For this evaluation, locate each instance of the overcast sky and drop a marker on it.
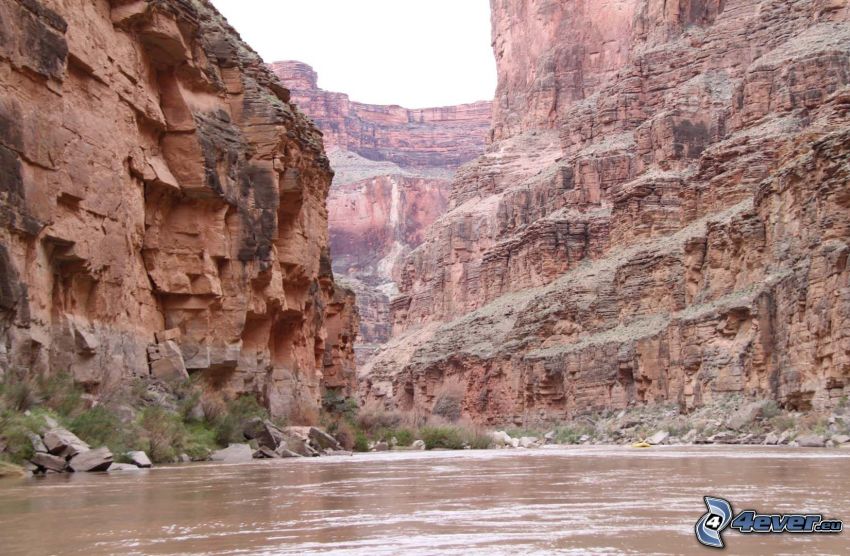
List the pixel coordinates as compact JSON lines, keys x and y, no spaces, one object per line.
{"x":416,"y":53}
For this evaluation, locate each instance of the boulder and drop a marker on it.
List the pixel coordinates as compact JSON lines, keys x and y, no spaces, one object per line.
{"x":298,"y":445}
{"x":840,"y":439}
{"x":514,"y":443}
{"x":811,"y":441}
{"x":690,"y":437}
{"x":724,"y":437}
{"x":658,"y":438}
{"x":91,"y":460}
{"x":321,"y":440}
{"x":549,"y":437}
{"x":500,"y":438}
{"x":381,"y":446}
{"x":44,"y":461}
{"x":172,"y":334}
{"x":284,"y":452}
{"x":37,"y":442}
{"x":234,"y":453}
{"x":63,"y":443}
{"x":139,"y":459}
{"x":418,"y":445}
{"x":744,"y":416}
{"x":166,"y":362}
{"x":771,"y":439}
{"x":528,"y":442}
{"x":264,"y":452}
{"x":264,"y":432}
{"x":122,"y":467}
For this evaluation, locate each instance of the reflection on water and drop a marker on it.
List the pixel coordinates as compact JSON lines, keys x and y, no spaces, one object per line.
{"x":550,"y":501}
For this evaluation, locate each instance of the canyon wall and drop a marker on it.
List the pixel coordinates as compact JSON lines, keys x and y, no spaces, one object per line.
{"x":662,"y":215}
{"x":393,"y":169}
{"x":163,"y":207}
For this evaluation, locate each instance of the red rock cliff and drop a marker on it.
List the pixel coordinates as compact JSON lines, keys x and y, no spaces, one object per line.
{"x":163,"y":206}
{"x":662,"y":215}
{"x":393,"y":169}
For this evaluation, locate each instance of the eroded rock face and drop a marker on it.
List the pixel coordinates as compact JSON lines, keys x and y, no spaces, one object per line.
{"x":663,"y":215}
{"x":393,"y":172}
{"x":157,"y":178}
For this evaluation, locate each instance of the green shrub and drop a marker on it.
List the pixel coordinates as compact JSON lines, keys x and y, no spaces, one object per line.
{"x":199,"y":441}
{"x":403,"y":436}
{"x":101,"y":427}
{"x":442,"y":437}
{"x":15,"y":429}
{"x":60,"y":393}
{"x":19,"y":395}
{"x":230,"y":424}
{"x":569,"y":434}
{"x":163,"y":433}
{"x":361,"y":443}
{"x":770,"y":409}
{"x":334,"y":404}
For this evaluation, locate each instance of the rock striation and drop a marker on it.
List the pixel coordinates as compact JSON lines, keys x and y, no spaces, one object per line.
{"x":662,"y":215}
{"x":393,"y":170}
{"x":162,"y":207}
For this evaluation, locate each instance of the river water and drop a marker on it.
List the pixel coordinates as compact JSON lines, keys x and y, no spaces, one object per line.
{"x":566,"y":500}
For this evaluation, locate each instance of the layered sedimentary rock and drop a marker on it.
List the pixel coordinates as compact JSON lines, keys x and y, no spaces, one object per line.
{"x":163,"y":207}
{"x":662,"y":215}
{"x":443,"y":137}
{"x":393,"y":172}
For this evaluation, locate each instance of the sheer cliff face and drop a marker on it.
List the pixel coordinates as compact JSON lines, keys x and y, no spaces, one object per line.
{"x":163,"y":207}
{"x":662,"y":215}
{"x":393,"y":173}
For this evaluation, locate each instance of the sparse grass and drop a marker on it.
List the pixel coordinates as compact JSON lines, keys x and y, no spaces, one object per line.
{"x":403,"y":436}
{"x":571,"y":433}
{"x":519,"y":432}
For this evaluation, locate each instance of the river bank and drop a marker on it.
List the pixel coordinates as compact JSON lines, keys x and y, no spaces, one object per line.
{"x":54,"y":427}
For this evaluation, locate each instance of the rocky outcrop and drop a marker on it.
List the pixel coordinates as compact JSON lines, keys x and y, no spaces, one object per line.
{"x":393,"y":169}
{"x":662,"y":215}
{"x":163,"y":207}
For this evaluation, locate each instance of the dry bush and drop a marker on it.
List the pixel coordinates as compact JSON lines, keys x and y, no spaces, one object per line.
{"x":448,"y":401}
{"x":373,"y":418}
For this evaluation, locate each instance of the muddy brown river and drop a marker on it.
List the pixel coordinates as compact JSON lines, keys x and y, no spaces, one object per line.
{"x":597,"y":500}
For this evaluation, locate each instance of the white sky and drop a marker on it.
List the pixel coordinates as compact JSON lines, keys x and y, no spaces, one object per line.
{"x":416,"y":53}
